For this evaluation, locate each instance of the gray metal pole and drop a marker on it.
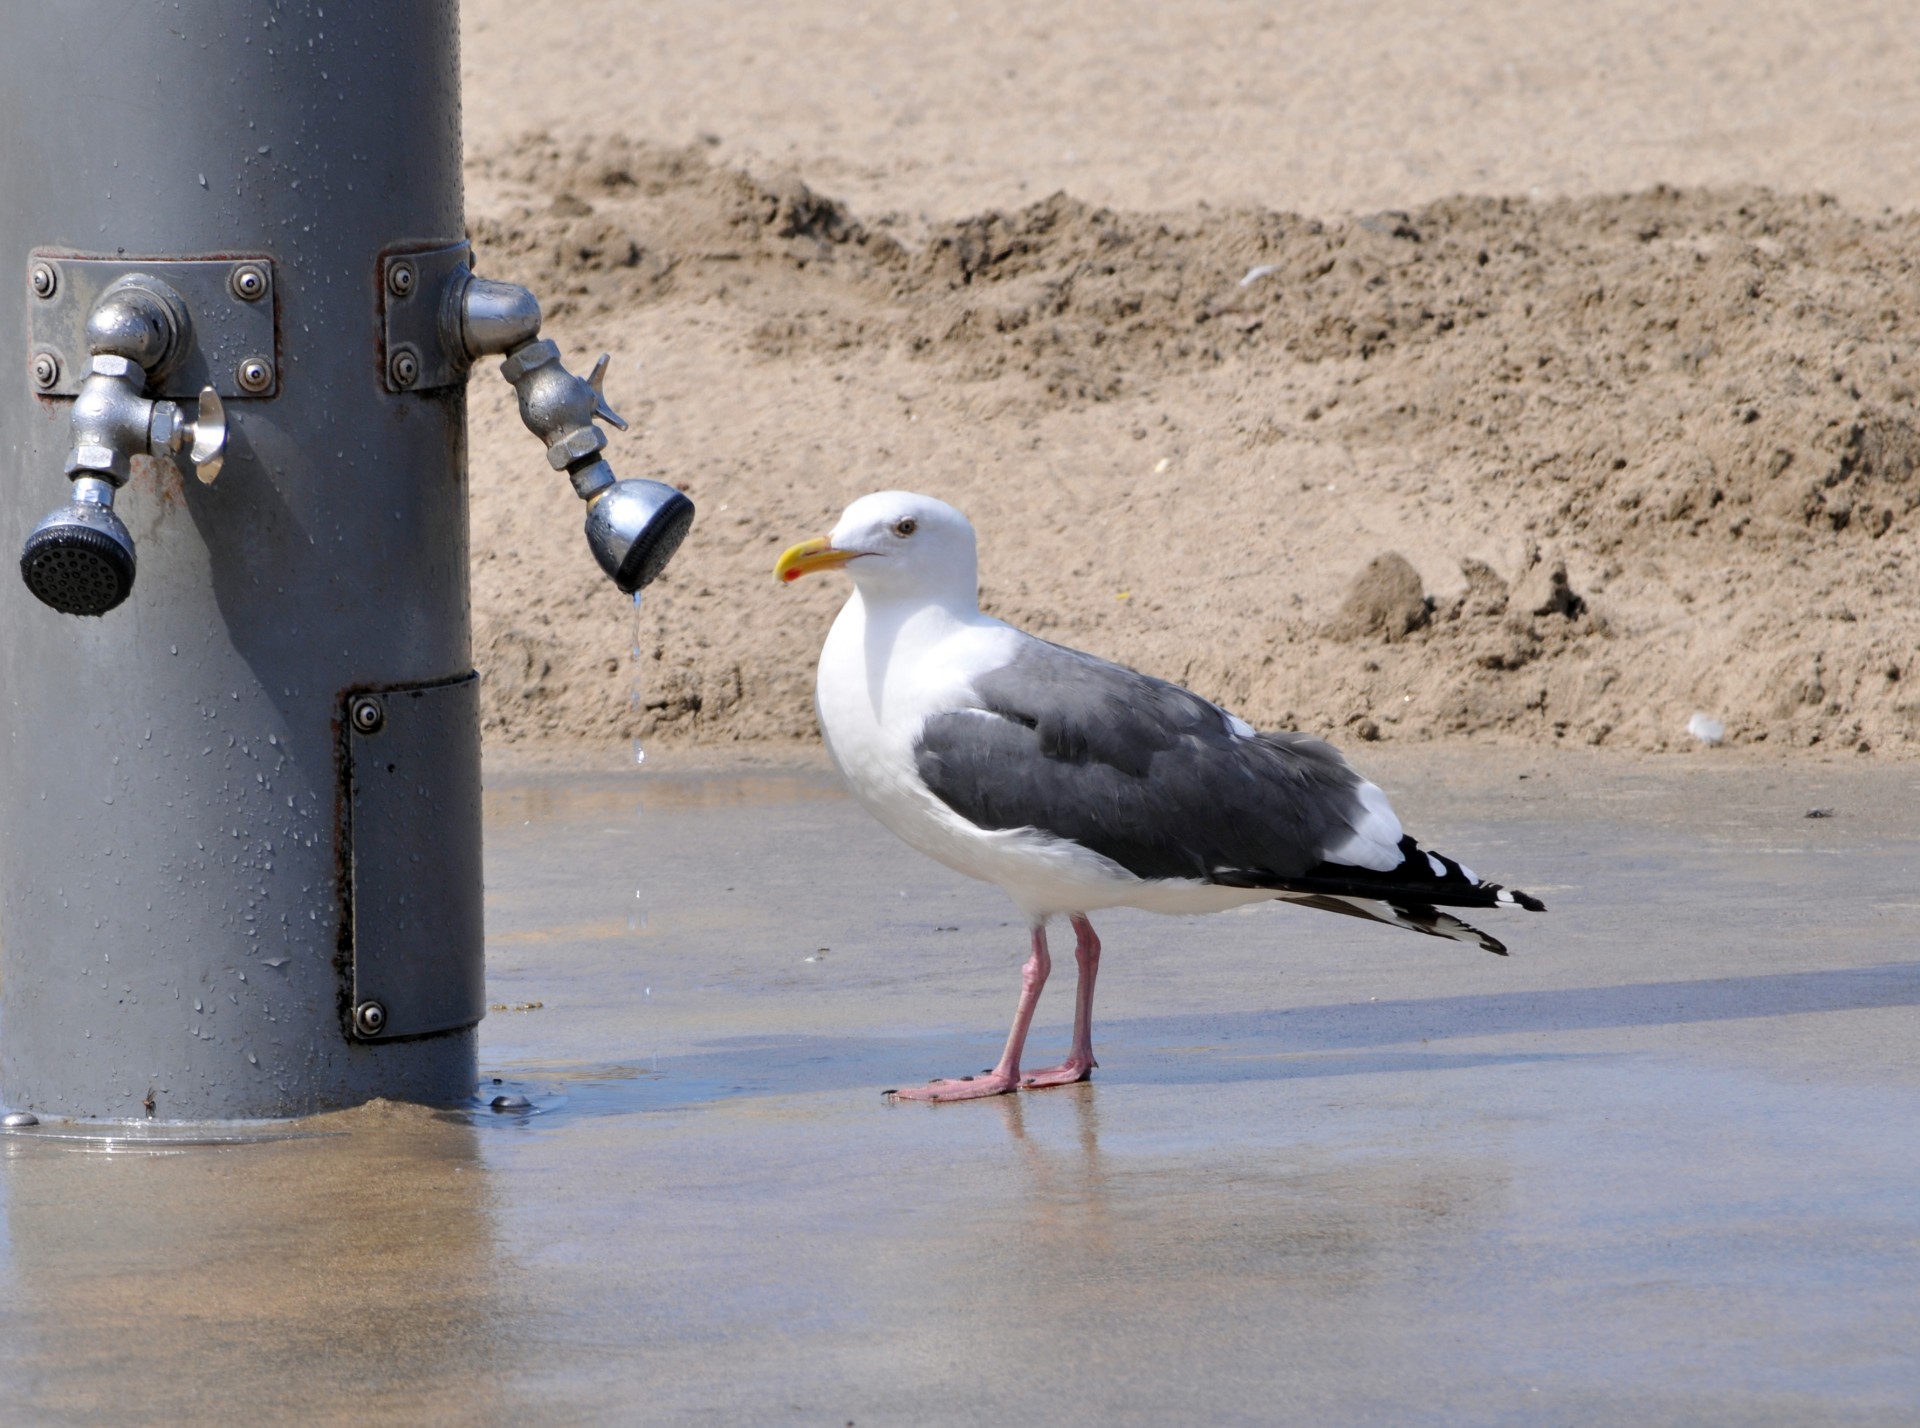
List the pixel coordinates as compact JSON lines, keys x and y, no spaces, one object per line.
{"x":241,"y":809}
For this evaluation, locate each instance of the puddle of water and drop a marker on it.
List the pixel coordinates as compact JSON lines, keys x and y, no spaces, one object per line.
{"x":121,"y":1138}
{"x":523,"y":1094}
{"x":1643,"y":1168}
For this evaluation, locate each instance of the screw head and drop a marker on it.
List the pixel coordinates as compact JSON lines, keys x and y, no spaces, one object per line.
{"x":248,"y":282}
{"x":400,"y":278}
{"x":405,"y":367}
{"x":20,"y":1118}
{"x":369,"y":1018}
{"x":46,"y":370}
{"x":367,"y":715}
{"x":255,"y":374}
{"x":46,"y":282}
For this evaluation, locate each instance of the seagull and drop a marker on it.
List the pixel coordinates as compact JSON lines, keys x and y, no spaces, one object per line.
{"x":1075,"y":784}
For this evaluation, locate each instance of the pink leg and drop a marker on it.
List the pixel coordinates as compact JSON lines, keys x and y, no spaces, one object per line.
{"x":1079,"y":1063}
{"x":1006,"y":1076}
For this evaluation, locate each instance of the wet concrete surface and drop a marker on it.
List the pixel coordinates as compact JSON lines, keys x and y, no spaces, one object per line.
{"x":1660,"y":1165}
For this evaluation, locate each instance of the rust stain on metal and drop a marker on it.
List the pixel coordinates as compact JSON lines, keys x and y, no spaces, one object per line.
{"x":343,"y":859}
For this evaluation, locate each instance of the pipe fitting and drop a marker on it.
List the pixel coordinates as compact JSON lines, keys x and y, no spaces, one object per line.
{"x":591,"y":479}
{"x":141,"y":319}
{"x":570,"y":448}
{"x":496,"y":318}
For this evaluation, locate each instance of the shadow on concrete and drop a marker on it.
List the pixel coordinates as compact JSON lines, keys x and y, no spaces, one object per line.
{"x":1277,"y":1045}
{"x":1640,"y":1004}
{"x":765,"y":1067}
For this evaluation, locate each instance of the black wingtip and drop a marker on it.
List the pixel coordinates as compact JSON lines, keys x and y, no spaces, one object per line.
{"x":1527,"y":900}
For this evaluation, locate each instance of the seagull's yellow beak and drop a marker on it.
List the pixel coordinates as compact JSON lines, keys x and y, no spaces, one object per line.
{"x":808,"y":556}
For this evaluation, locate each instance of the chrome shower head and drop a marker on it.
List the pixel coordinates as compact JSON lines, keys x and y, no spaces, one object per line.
{"x":634,"y":527}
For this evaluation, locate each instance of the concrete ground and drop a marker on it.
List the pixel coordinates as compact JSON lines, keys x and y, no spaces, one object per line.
{"x":1659,"y":1166}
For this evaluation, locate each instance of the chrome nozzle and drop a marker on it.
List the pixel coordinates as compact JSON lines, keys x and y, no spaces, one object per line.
{"x":633,"y":529}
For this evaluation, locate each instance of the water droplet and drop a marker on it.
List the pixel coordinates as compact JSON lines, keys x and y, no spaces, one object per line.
{"x":639,"y":756}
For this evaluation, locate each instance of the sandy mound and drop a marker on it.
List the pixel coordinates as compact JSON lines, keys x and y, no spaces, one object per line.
{"x":1560,"y":470}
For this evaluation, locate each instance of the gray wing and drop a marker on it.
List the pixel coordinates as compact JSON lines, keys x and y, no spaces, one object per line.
{"x":1154,"y":778}
{"x":1137,"y":769}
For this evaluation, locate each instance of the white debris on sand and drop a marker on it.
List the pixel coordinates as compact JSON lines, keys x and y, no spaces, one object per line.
{"x":1707,"y":729}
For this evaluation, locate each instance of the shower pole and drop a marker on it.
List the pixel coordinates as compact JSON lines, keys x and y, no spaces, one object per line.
{"x":239,"y":783}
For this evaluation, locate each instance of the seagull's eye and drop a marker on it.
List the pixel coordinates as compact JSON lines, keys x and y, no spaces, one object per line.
{"x":906,"y":527}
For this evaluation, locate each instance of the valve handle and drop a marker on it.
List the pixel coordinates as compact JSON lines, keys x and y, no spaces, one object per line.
{"x":600,"y":407}
{"x":209,"y":436}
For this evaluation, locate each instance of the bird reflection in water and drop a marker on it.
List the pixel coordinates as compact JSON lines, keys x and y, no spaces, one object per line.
{"x":1067,"y":1183}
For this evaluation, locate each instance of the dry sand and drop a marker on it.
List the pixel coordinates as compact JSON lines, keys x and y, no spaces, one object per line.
{"x":1397,"y":372}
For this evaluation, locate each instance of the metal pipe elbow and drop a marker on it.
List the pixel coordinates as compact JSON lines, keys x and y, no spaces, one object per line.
{"x":495,"y":318}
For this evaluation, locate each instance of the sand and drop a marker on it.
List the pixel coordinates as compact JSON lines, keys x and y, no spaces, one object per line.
{"x":1405,"y":373}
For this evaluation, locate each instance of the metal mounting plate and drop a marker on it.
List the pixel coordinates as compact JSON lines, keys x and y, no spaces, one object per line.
{"x":414,"y":805}
{"x":418,"y":321}
{"x":227,"y":329}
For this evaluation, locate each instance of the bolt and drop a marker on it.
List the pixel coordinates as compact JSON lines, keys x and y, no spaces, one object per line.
{"x":369,"y":1018}
{"x":367,"y":714}
{"x":45,"y":280}
{"x":400,"y":278}
{"x":248,"y":282}
{"x":46,"y":370}
{"x":405,"y":367}
{"x":255,"y":374}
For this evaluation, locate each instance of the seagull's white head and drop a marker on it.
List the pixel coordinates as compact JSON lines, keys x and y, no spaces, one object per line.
{"x":896,"y":546}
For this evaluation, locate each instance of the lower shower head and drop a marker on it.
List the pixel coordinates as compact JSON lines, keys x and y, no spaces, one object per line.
{"x":79,"y":560}
{"x":634,"y":527}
